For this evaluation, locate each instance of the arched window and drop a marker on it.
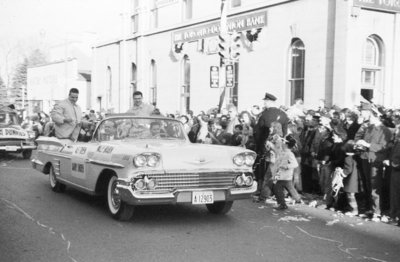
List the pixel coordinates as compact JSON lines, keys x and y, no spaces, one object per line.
{"x":109,"y":85}
{"x":185,"y":91}
{"x":153,"y":82}
{"x":372,"y":67}
{"x":296,"y":72}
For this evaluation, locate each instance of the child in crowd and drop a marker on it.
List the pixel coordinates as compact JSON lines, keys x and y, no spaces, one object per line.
{"x":283,"y":173}
{"x":350,"y":177}
{"x":273,"y":147}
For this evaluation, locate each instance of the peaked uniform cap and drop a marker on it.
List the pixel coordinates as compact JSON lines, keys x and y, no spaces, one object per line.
{"x":268,"y":96}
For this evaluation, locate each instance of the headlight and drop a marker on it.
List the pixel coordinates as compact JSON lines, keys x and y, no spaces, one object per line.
{"x":248,"y":181}
{"x":239,"y":181}
{"x":245,"y":158}
{"x":238,"y":160}
{"x":144,"y":183}
{"x":147,"y":159}
{"x":140,"y":160}
{"x":249,"y":160}
{"x":244,"y":180}
{"x":152,"y":160}
{"x":140,"y":184}
{"x":151,"y":184}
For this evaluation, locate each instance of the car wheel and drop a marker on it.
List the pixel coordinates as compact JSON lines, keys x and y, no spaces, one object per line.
{"x":222,"y":207}
{"x":26,"y":154}
{"x":54,"y":184}
{"x":118,"y":208}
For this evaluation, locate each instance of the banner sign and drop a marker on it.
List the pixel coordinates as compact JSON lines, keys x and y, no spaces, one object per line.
{"x":386,"y":5}
{"x":214,"y":76}
{"x":237,"y":23}
{"x":13,"y":133}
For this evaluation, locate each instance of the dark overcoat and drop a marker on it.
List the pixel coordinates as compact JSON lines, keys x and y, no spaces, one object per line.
{"x":350,"y":170}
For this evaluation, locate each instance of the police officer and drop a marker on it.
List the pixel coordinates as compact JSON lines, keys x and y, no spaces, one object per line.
{"x":261,"y":132}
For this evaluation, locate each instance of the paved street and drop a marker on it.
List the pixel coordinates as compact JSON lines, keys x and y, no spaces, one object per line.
{"x":37,"y":224}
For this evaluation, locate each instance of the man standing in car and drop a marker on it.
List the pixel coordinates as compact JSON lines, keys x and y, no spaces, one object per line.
{"x":67,"y":117}
{"x":139,"y":108}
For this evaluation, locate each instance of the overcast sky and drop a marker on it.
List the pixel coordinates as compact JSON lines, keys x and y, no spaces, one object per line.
{"x":45,"y":18}
{"x":29,"y":24}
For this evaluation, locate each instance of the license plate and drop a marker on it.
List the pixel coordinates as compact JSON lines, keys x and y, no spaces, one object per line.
{"x":11,"y":148}
{"x":202,"y":197}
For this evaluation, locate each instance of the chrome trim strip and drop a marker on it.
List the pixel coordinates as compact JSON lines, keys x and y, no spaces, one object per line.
{"x":104,"y":163}
{"x":154,"y":194}
{"x":73,"y":184}
{"x":36,"y":161}
{"x":18,"y":147}
{"x":244,"y":190}
{"x":55,"y":154}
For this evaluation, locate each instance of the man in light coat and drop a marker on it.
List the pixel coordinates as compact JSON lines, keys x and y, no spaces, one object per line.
{"x":139,"y":108}
{"x":67,"y":117}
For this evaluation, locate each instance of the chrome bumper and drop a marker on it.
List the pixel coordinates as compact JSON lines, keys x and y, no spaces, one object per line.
{"x":37,"y":164}
{"x":16,"y":148}
{"x":181,"y":195}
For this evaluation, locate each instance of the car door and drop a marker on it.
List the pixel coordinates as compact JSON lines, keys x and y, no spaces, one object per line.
{"x":63,"y":162}
{"x":78,"y":174}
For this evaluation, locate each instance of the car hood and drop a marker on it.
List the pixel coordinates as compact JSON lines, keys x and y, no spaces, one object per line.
{"x":177,"y":155}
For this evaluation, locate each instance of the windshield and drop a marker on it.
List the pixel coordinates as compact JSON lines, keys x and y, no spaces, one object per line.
{"x":7,"y":118}
{"x":139,"y":128}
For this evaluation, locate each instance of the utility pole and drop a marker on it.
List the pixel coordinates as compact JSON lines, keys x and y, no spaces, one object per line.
{"x":224,"y":52}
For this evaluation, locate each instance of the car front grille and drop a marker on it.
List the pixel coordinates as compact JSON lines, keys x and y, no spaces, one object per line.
{"x":171,"y":181}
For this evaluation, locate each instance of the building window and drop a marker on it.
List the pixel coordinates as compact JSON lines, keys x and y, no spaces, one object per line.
{"x":236,"y":3}
{"x":185,"y":91}
{"x":153,"y":82}
{"x":134,"y":23}
{"x":371,"y":72}
{"x":135,"y":16}
{"x":109,"y":85}
{"x":296,"y":73}
{"x":154,"y":15}
{"x":187,"y":9}
{"x":133,"y":86}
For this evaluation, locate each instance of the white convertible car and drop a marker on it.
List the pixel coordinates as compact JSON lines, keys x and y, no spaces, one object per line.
{"x":146,"y":161}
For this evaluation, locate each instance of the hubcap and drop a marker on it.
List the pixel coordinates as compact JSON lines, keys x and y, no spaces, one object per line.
{"x":52,"y":178}
{"x":115,"y":198}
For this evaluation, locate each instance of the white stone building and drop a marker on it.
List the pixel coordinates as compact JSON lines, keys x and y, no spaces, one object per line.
{"x":51,"y":82}
{"x":334,"y":50}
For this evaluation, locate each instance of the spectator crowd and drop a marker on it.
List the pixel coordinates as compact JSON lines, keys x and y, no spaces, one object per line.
{"x":349,"y":157}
